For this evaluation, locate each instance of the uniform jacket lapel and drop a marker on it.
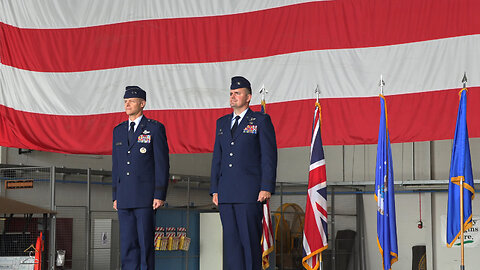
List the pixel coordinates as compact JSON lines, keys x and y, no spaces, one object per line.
{"x":138,"y":131}
{"x":123,"y":134}
{"x":226,"y":127}
{"x":243,"y":124}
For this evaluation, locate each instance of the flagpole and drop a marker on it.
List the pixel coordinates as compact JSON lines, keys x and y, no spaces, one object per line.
{"x":315,"y":233}
{"x":462,"y":265}
{"x":382,"y":84}
{"x":462,"y":248}
{"x":320,"y":260}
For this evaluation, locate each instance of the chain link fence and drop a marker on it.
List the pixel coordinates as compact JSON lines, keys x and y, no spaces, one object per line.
{"x":84,"y":232}
{"x":26,"y":217}
{"x":69,"y":235}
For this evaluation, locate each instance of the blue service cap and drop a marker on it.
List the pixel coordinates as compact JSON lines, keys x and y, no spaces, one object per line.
{"x":135,"y":92}
{"x":240,"y":82}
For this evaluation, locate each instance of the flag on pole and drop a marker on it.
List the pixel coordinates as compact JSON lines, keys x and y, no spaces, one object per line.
{"x":385,"y":194}
{"x":263,"y":103}
{"x":267,"y":236}
{"x":460,"y":169}
{"x":315,"y":232}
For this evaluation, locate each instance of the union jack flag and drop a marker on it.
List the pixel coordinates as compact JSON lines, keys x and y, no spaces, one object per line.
{"x":315,"y":232}
{"x":267,"y":236}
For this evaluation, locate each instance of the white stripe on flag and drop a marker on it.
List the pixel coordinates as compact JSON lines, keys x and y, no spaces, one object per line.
{"x":67,"y":94}
{"x":317,"y":164}
{"x":316,"y":198}
{"x":315,"y":132}
{"x":69,"y":14}
{"x":306,"y":246}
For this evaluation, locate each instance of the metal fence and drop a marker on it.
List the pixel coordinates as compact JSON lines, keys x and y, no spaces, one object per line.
{"x":85,"y":227}
{"x":69,"y":242}
{"x":21,"y":232}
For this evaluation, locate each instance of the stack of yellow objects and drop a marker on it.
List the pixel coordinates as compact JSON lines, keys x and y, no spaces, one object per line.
{"x":172,"y":240}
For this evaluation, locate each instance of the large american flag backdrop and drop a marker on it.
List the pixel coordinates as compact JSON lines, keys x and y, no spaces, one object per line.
{"x":65,"y":64}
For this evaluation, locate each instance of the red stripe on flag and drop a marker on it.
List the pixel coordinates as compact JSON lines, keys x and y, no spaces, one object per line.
{"x":319,"y":174}
{"x":322,"y":210}
{"x":267,"y":236}
{"x":344,"y":121}
{"x":303,"y":27}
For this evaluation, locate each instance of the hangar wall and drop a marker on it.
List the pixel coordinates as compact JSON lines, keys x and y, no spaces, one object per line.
{"x":412,"y":161}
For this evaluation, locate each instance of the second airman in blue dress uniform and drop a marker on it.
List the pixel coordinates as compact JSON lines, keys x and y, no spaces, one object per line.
{"x":243,"y":176}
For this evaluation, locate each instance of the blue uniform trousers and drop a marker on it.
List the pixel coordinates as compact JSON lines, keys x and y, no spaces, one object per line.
{"x":242,"y":234}
{"x":137,"y":229}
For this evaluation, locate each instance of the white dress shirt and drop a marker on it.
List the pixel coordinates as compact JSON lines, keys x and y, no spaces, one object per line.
{"x":239,"y":120}
{"x":137,"y":122}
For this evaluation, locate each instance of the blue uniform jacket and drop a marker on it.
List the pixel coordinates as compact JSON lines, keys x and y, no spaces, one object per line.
{"x":246,"y":163}
{"x":140,"y":171}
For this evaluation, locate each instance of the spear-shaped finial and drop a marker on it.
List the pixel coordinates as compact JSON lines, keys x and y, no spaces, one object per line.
{"x":381,"y":84}
{"x":317,"y":91}
{"x":263,"y":91}
{"x":464,"y":80}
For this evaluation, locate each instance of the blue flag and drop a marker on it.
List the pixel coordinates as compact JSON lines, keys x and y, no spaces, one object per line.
{"x":385,"y":194}
{"x":460,"y":169}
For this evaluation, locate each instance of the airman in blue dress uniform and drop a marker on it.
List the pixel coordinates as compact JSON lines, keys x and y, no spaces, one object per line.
{"x":243,"y":176}
{"x":140,"y":173}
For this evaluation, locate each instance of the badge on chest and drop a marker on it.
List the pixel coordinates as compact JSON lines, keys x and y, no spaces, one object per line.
{"x":144,"y":139}
{"x":250,"y":129}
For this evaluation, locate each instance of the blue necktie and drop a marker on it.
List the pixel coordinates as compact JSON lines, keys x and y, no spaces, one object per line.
{"x":235,"y":125}
{"x":131,"y":131}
